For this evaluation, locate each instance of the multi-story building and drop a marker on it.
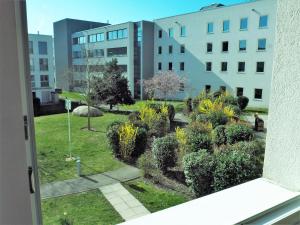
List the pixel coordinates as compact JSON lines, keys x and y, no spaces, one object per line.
{"x":42,"y":67}
{"x":218,"y":47}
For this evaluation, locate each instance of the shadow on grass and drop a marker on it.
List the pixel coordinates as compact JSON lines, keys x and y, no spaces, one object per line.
{"x":137,"y":188}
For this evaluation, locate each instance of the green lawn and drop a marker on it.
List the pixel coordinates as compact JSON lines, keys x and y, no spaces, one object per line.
{"x":92,"y":147}
{"x":74,"y":96}
{"x":251,"y":110}
{"x":179,"y":105}
{"x":88,"y":208}
{"x":154,"y":198}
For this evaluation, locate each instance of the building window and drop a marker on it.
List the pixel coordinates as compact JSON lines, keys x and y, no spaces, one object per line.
{"x":170,"y":66}
{"x":258,"y":93}
{"x":170,"y":49}
{"x":44,"y":80}
{"x":30,"y":47}
{"x":32,"y":81}
{"x":117,"y":34}
{"x":241,"y":67}
{"x":207,"y":88}
{"x":81,"y":40}
{"x":224,"y":66}
{"x":90,"y":53}
{"x":260,"y":67}
{"x":43,"y":48}
{"x":182,"y":48}
{"x":182,"y":31}
{"x":99,"y":53}
{"x":263,"y":21}
{"x":159,"y":67}
{"x":208,"y":66}
{"x":262,"y":44}
{"x":159,"y":50}
{"x":31,"y":61}
{"x":182,"y":66}
{"x":225,"y":46}
{"x":100,"y":37}
{"x":43,"y":64}
{"x":76,"y":54}
{"x":181,"y":87}
{"x":122,"y":51}
{"x":159,"y":33}
{"x":75,"y":41}
{"x":171,"y":32}
{"x":239,"y":91}
{"x":209,"y":47}
{"x":226,"y":25}
{"x":244,"y":24}
{"x":210,"y":28}
{"x":222,"y":88}
{"x":243,"y":45}
{"x":92,"y":38}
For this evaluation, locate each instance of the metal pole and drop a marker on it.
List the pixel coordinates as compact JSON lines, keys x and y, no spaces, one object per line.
{"x":69,"y":125}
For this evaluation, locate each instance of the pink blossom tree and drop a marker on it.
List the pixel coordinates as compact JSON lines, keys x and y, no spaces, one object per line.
{"x":164,"y":85}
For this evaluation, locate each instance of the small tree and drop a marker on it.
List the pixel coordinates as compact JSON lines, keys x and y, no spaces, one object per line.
{"x":112,"y":86}
{"x":164,"y":84}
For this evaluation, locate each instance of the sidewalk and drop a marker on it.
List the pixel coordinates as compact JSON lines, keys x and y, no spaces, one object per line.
{"x":81,"y":184}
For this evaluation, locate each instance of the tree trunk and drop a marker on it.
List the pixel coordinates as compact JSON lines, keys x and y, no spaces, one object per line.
{"x":110,"y":106}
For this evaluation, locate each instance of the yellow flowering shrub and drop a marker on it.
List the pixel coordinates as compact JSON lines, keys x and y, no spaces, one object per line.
{"x":127,"y":136}
{"x":181,"y":137}
{"x":148,"y":115}
{"x":229,"y":112}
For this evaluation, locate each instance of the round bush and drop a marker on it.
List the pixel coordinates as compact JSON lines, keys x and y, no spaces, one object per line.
{"x":164,"y":152}
{"x":113,"y":137}
{"x":237,"y":110}
{"x":198,"y":170}
{"x":146,"y":164}
{"x":134,"y":116}
{"x":219,"y":136}
{"x":217,"y":118}
{"x":160,"y":127}
{"x":233,"y":168}
{"x":242,"y":102}
{"x":202,"y":118}
{"x":171,"y":112}
{"x":197,"y":141}
{"x":238,"y":132}
{"x":140,"y":143}
{"x":230,"y":100}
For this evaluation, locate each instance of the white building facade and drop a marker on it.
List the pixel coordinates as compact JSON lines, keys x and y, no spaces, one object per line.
{"x":220,"y":47}
{"x":42,"y":67}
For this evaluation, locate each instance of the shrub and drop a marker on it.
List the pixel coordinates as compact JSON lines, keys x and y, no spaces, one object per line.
{"x":238,"y":132}
{"x":171,"y":112}
{"x":127,"y":137}
{"x":140,"y":143}
{"x":237,"y":110}
{"x":146,"y":164}
{"x":219,"y":136}
{"x":233,"y":168}
{"x":199,"y":127}
{"x":113,"y":137}
{"x":181,"y":137}
{"x":160,"y":127}
{"x":164,"y":152}
{"x":242,"y":102}
{"x":202,"y":118}
{"x":197,"y":141}
{"x":198,"y":170}
{"x":188,"y":104}
{"x":134,"y":116}
{"x":230,"y":100}
{"x":155,"y":106}
{"x":217,"y":118}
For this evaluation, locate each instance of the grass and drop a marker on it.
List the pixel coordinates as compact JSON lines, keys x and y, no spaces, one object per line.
{"x":74,"y":96}
{"x":88,"y":208}
{"x":92,"y":147}
{"x":251,"y":110}
{"x":154,"y":198}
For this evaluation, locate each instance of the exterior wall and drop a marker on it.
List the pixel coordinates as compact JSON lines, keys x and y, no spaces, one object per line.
{"x":195,"y":56}
{"x":63,"y":30}
{"x":122,"y":60}
{"x":43,"y":93}
{"x":282,"y":158}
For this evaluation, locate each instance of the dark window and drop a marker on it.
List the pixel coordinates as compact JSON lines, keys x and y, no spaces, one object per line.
{"x":99,"y":52}
{"x":243,"y":45}
{"x":182,"y":31}
{"x":160,"y":34}
{"x":43,"y":64}
{"x":207,"y":88}
{"x":30,"y":47}
{"x":76,"y":54}
{"x":123,"y":68}
{"x":181,"y":88}
{"x":170,"y":49}
{"x":159,"y":50}
{"x":225,"y":46}
{"x":244,"y":24}
{"x":170,"y":66}
{"x":208,"y":66}
{"x":241,"y":66}
{"x":90,"y":53}
{"x":209,"y":47}
{"x":182,"y":48}
{"x":258,"y":93}
{"x":44,"y":80}
{"x":260,"y":67}
{"x":75,"y":41}
{"x":263,"y":21}
{"x":239,"y":91}
{"x":262,"y":44}
{"x":182,"y":66}
{"x":122,"y":51}
{"x":223,"y":66}
{"x":222,"y":88}
{"x":159,"y":66}
{"x":43,"y":48}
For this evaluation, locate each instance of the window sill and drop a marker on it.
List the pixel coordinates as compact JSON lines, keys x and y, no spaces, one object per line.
{"x":241,"y":72}
{"x":209,"y":52}
{"x":225,"y":31}
{"x":223,"y":71}
{"x":242,"y":51}
{"x":263,"y":28}
{"x":224,"y":51}
{"x":246,"y":29}
{"x":261,"y":50}
{"x":259,"y":73}
{"x":258,"y":99}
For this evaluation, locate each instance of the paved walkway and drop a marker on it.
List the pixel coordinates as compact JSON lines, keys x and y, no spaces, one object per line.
{"x":83,"y":184}
{"x":123,"y":202}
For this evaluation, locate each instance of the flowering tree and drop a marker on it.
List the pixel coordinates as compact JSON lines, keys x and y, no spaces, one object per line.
{"x":164,"y":85}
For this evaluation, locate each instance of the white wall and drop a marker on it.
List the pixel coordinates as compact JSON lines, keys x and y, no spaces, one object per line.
{"x":282,"y":159}
{"x":196,"y":56}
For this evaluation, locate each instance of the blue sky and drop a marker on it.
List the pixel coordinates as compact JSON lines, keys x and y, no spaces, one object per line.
{"x":42,"y":13}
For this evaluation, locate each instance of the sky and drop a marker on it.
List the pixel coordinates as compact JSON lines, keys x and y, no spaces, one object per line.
{"x":42,"y":13}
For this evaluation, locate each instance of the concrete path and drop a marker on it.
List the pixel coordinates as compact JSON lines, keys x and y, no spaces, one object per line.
{"x":123,"y":202}
{"x":82,"y":184}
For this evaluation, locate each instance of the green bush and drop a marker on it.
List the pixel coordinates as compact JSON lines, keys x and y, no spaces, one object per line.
{"x":171,"y":112}
{"x":140,"y":143}
{"x":155,"y":106}
{"x":113,"y":137}
{"x":219,"y":136}
{"x":217,"y":118}
{"x":146,"y":164}
{"x":236,"y":109}
{"x":160,"y":127}
{"x":188,"y":105}
{"x":238,"y":132}
{"x":164,"y":152}
{"x":204,"y":118}
{"x":230,"y":100}
{"x":134,"y":116}
{"x":198,"y":170}
{"x":197,"y":141}
{"x":242,"y":102}
{"x":233,"y":168}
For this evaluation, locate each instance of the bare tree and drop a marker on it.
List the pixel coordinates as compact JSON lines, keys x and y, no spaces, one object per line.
{"x":164,"y":85}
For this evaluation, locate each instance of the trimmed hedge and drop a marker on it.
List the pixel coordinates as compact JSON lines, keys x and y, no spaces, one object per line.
{"x":197,"y":141}
{"x":242,"y":102}
{"x":219,"y":136}
{"x":238,"y":132}
{"x":198,"y":170}
{"x":217,"y":118}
